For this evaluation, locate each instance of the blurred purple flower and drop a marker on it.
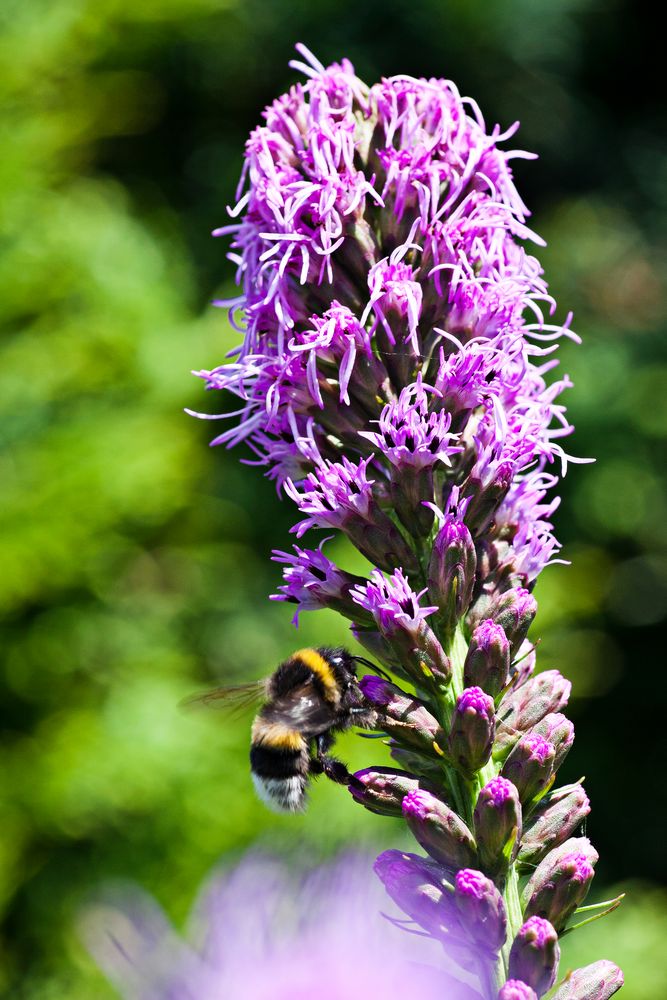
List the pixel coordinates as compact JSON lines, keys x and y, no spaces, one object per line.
{"x":260,"y":933}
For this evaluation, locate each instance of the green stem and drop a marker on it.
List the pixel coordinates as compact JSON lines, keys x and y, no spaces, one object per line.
{"x":513,"y":910}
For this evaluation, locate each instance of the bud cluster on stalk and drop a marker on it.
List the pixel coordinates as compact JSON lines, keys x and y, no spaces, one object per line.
{"x":393,"y":382}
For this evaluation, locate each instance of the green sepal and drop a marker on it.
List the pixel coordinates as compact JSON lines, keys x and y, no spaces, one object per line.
{"x":611,"y":904}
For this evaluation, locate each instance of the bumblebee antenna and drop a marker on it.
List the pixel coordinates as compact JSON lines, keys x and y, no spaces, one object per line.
{"x":372,"y":666}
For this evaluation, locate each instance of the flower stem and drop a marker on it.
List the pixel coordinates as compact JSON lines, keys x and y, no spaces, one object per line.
{"x":513,"y":910}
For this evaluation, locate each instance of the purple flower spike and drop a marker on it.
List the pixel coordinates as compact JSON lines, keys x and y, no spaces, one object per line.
{"x":396,"y":380}
{"x":497,"y":824}
{"x":488,"y":658}
{"x":561,"y":882}
{"x":439,"y":830}
{"x":481,"y":909}
{"x":472,"y":730}
{"x":598,"y":981}
{"x":514,"y":989}
{"x":530,"y":766}
{"x":535,"y":955}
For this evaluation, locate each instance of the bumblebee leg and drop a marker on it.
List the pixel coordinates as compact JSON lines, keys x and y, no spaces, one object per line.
{"x":335,"y":770}
{"x":331,"y":767}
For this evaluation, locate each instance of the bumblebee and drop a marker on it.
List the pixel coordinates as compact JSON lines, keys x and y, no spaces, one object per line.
{"x":310,"y":697}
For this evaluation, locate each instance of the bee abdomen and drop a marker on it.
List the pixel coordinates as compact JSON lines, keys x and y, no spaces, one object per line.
{"x":279,"y":763}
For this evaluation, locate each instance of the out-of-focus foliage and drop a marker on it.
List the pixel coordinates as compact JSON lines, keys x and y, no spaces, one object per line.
{"x":134,"y":562}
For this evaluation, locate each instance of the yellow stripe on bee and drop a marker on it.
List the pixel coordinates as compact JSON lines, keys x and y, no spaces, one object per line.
{"x":276,"y":735}
{"x":316,"y":662}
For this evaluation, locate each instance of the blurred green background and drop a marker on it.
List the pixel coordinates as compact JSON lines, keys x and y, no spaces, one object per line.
{"x":134,"y":562}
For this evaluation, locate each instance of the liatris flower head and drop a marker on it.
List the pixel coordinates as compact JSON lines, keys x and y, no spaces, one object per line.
{"x":559,"y":731}
{"x":382,"y":789}
{"x":561,"y":882}
{"x":482,"y":910}
{"x":535,"y":954}
{"x":553,"y":821}
{"x":514,"y":612}
{"x":312,"y":582}
{"x":487,"y":661}
{"x":451,"y":571}
{"x":497,"y":824}
{"x":525,"y":707}
{"x":530,"y":766}
{"x":472,"y":729}
{"x":439,"y":830}
{"x":401,"y":621}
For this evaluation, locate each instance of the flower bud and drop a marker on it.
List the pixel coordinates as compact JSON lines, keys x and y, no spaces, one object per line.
{"x":481,"y":909}
{"x":497,"y":824}
{"x":451,"y":571}
{"x":472,"y":730}
{"x":487,"y":661}
{"x":535,"y":954}
{"x":381,"y":790}
{"x":530,"y":766}
{"x":422,"y":658}
{"x":559,"y":731}
{"x":485,"y":499}
{"x":439,"y":830}
{"x":598,"y":981}
{"x":551,"y":823}
{"x":402,"y":715}
{"x":561,"y":882}
{"x":514,"y":989}
{"x":514,"y":611}
{"x":381,"y":542}
{"x":522,"y":708}
{"x":416,"y":885}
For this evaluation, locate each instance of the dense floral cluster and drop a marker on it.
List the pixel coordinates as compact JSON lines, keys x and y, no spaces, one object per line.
{"x":394,"y":379}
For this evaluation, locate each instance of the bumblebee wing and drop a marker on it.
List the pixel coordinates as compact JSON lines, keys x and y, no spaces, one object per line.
{"x":234,"y":698}
{"x":303,"y":709}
